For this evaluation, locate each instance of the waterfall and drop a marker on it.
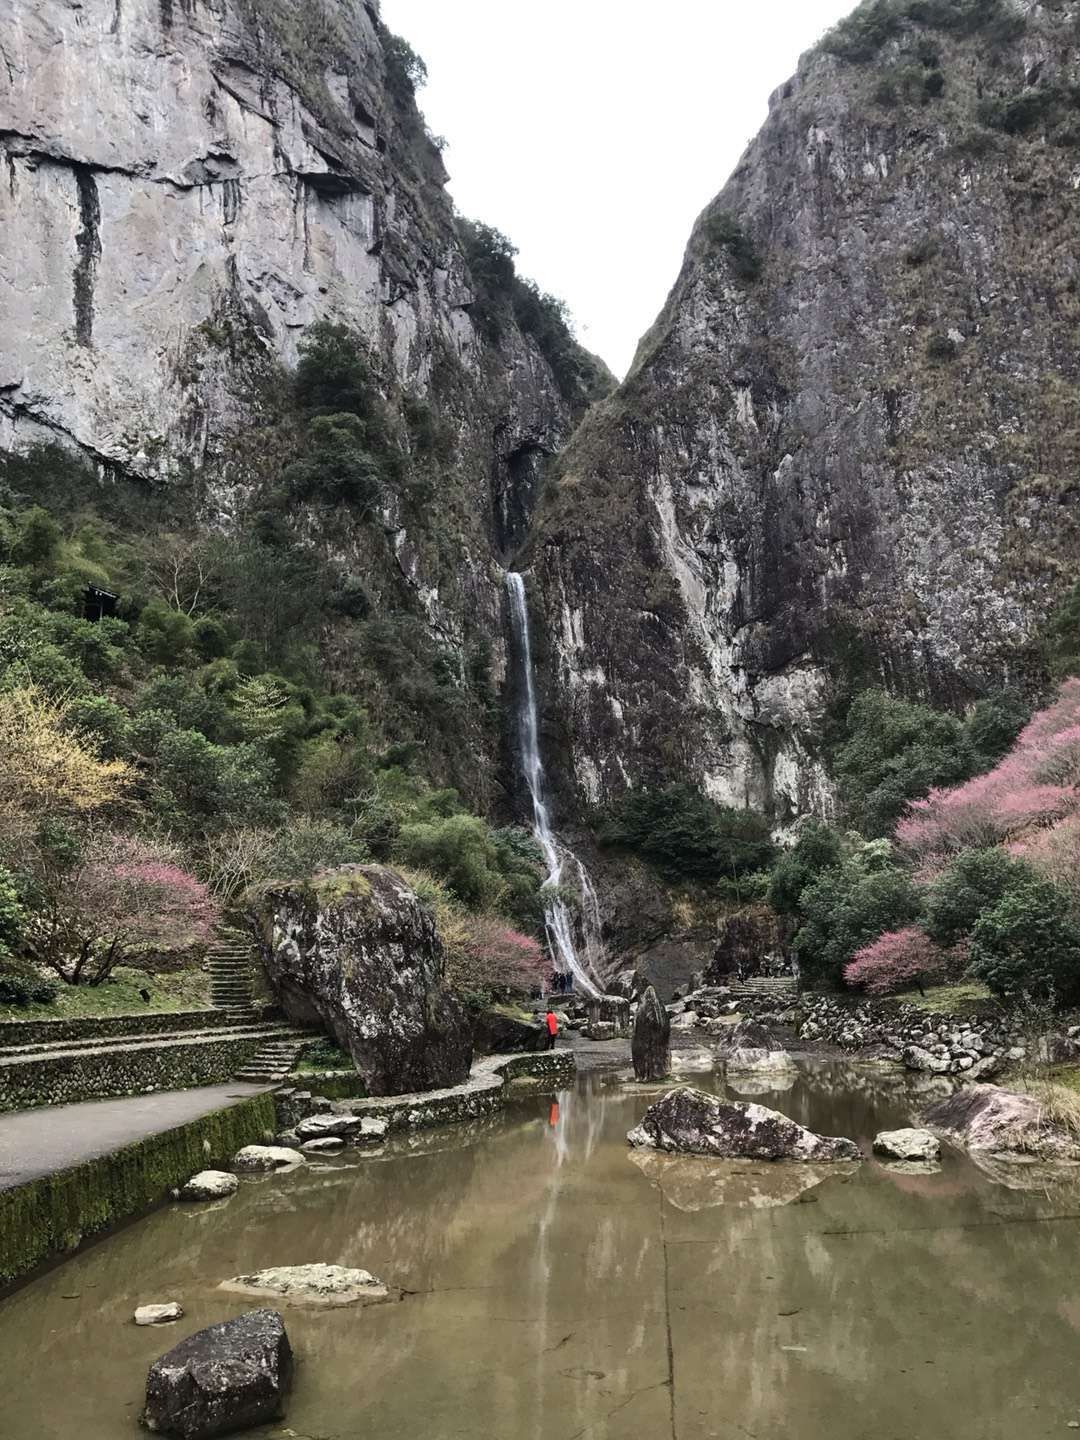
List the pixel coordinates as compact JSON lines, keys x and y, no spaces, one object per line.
{"x":557,"y":917}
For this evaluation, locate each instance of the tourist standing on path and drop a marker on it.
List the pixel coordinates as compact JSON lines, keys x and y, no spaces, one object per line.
{"x":552,"y":1029}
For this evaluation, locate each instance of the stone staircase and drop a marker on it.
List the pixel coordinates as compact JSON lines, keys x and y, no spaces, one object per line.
{"x":781,"y":988}
{"x":274,"y":1059}
{"x":229,"y":962}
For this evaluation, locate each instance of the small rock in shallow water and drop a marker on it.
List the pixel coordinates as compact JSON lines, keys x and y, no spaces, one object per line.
{"x":312,"y":1284}
{"x":158,"y":1314}
{"x":327,"y":1145}
{"x":266,"y":1157}
{"x":224,"y":1378}
{"x":907,"y":1144}
{"x":753,"y":1061}
{"x":210,"y":1185}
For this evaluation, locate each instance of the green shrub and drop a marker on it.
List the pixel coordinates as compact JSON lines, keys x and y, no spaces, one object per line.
{"x":35,"y":539}
{"x":818,"y":848}
{"x":973,"y":883}
{"x":211,"y":638}
{"x":724,"y":230}
{"x":687,"y":836}
{"x":941,"y":347}
{"x":104,"y":722}
{"x":1029,"y":944}
{"x":1019,"y":114}
{"x":163,"y":635}
{"x":861,"y":35}
{"x":894,"y":751}
{"x":847,"y":907}
{"x":459,"y":849}
{"x":24,"y":986}
{"x":1061,"y":638}
{"x":200,"y":786}
{"x":336,"y":468}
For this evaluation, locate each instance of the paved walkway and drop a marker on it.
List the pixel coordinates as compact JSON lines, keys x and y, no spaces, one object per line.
{"x":39,"y":1142}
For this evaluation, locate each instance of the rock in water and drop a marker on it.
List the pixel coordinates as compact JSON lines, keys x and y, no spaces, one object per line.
{"x":210,"y":1185}
{"x":266,"y":1157}
{"x":227,"y":1377}
{"x":497,"y":1032}
{"x":650,"y":1045}
{"x":760,"y":1062}
{"x":691,"y":1122}
{"x":313,"y":1285}
{"x":158,"y":1314}
{"x":909,"y":1144}
{"x":355,"y":952}
{"x":986,"y":1118}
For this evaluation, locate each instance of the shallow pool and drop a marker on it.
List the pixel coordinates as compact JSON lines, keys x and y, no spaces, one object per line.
{"x":563,"y":1287}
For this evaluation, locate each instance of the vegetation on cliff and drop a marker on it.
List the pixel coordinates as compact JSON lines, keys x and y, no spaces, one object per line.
{"x":186,"y":711}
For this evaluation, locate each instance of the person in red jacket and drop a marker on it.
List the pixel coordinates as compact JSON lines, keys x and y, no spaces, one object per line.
{"x":552,"y":1029}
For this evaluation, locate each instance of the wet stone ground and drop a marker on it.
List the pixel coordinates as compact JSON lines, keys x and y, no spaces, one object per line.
{"x":562,"y":1287}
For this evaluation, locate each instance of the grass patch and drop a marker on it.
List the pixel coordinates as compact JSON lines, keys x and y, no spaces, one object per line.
{"x":946,"y":999}
{"x":1059,"y":1103}
{"x":119,"y":995}
{"x":323,"y":1055}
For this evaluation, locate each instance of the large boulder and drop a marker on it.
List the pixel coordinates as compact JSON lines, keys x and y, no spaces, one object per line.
{"x":650,"y":1044}
{"x":605,"y":1010}
{"x":499,"y":1031}
{"x":989,"y":1118}
{"x":224,"y":1378}
{"x":356,"y":952}
{"x":691,"y":1122}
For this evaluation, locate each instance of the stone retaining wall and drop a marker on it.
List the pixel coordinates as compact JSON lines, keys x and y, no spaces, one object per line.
{"x":41,"y":1032}
{"x":980,"y":1041}
{"x":53,"y":1214}
{"x":494,"y":1080}
{"x":94,"y":1074}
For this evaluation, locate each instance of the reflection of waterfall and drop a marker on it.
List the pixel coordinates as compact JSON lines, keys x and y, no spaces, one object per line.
{"x":557,"y":918}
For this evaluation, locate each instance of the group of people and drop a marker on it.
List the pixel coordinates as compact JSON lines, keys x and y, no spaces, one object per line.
{"x":562,"y":982}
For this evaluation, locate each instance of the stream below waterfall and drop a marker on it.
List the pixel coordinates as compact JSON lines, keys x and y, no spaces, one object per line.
{"x":564,"y":1287}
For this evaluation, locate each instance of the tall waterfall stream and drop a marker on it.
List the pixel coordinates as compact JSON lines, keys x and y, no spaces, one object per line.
{"x":557,"y":916}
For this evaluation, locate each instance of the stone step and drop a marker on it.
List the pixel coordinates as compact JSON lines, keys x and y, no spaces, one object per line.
{"x":272,"y":1061}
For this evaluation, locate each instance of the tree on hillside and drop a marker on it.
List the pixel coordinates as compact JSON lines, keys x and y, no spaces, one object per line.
{"x":98,"y":900}
{"x":50,"y":768}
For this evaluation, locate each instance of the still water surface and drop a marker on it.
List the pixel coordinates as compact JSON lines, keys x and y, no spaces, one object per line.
{"x":566,"y":1288}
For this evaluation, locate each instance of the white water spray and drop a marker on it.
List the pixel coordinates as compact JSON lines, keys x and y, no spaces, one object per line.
{"x":557,"y":916}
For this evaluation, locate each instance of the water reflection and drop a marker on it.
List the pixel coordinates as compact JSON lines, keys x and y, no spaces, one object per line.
{"x":562,"y":1285}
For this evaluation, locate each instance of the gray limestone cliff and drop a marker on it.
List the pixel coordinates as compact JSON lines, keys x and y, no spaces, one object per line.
{"x":848,"y":444}
{"x":186,"y":186}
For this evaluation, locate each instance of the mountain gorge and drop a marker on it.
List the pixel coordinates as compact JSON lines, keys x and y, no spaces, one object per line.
{"x":241,"y":313}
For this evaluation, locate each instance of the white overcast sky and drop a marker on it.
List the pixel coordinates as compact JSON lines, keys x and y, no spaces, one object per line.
{"x":594,"y":131}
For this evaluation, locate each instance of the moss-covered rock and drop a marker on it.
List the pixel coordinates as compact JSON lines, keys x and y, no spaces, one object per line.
{"x":357,"y":953}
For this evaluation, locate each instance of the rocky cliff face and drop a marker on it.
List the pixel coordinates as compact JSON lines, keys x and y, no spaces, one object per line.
{"x":848,"y":444}
{"x":187,"y":186}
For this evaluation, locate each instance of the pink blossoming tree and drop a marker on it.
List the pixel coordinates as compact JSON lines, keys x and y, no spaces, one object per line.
{"x":894,"y":961}
{"x":1036,"y":786}
{"x":120,"y":896}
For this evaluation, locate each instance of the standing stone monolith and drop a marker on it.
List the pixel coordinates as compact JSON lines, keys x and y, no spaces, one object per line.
{"x":651,"y":1041}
